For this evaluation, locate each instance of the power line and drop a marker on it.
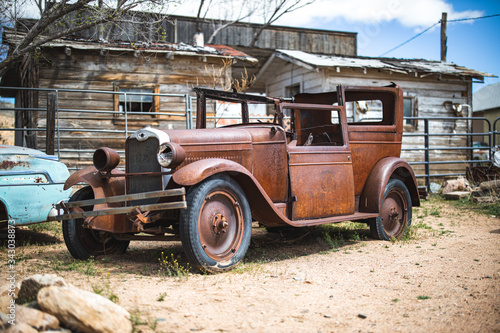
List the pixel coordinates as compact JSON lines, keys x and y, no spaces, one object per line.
{"x":432,"y":26}
{"x":473,"y":18}
{"x":409,"y":40}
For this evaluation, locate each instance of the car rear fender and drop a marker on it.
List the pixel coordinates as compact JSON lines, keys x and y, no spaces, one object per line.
{"x":389,"y":167}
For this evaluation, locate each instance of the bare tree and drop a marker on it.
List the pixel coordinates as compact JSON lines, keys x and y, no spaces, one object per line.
{"x":225,"y":13}
{"x":272,"y":10}
{"x":60,"y":18}
{"x":229,"y":12}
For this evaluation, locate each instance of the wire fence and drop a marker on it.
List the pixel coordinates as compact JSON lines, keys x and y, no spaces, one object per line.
{"x":73,"y":123}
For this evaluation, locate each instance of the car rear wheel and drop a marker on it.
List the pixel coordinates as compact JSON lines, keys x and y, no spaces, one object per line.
{"x":84,"y":243}
{"x":395,"y":214}
{"x":217,"y":225}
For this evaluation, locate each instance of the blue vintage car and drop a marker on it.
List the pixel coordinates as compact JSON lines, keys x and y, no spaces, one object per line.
{"x":31,"y":184}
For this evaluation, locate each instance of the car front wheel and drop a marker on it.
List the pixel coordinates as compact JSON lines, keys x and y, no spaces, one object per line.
{"x":217,"y":225}
{"x":84,"y":243}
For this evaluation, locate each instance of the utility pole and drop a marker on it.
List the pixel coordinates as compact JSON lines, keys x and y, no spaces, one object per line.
{"x":443,"y":36}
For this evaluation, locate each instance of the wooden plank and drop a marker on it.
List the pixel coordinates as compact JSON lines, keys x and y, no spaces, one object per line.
{"x":50,"y":123}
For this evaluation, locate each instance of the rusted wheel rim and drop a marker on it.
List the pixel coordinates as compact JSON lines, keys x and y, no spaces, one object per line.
{"x":395,"y":213}
{"x":220,"y":225}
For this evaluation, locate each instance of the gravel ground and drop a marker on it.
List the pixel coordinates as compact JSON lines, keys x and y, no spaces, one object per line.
{"x":445,"y":278}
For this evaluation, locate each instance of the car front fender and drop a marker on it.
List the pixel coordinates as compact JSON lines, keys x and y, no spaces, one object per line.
{"x":389,"y":167}
{"x":195,"y":172}
{"x":102,"y":186}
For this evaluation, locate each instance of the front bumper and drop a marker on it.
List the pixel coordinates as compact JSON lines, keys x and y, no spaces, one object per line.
{"x":73,"y":209}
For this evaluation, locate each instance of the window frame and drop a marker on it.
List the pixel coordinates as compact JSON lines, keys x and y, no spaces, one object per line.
{"x":155,"y":105}
{"x":411,"y":123}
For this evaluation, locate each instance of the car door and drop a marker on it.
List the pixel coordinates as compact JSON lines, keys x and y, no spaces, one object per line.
{"x":321,"y":174}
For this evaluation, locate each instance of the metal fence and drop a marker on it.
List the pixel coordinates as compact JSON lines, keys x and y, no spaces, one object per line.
{"x":428,"y":158}
{"x":469,"y":155}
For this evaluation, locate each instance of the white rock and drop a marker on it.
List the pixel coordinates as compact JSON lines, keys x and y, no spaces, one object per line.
{"x":35,"y":318}
{"x":31,"y":285}
{"x":21,"y":328}
{"x":84,"y":311}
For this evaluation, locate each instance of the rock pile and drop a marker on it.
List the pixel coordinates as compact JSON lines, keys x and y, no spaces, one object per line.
{"x":46,"y":303}
{"x":486,"y":192}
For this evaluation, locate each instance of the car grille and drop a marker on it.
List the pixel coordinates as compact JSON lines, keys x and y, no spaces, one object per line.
{"x":141,"y":157}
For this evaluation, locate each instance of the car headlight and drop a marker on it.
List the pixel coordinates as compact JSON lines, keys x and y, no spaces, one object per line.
{"x":105,"y":159}
{"x":170,"y":155}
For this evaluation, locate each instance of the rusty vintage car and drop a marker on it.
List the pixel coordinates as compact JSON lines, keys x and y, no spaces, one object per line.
{"x":206,"y":186}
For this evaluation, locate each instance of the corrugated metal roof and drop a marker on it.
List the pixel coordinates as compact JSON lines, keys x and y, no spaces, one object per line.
{"x":405,"y":66}
{"x":175,"y":49}
{"x":487,"y":98}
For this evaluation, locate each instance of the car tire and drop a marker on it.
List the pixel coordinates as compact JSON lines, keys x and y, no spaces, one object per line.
{"x":395,"y":214}
{"x":84,"y":243}
{"x":217,"y":225}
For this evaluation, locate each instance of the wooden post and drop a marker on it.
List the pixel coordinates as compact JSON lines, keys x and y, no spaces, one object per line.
{"x":51,"y":123}
{"x":443,"y":37}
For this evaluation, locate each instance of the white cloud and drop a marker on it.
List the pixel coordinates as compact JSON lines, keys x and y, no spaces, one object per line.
{"x":416,"y":14}
{"x":410,"y":13}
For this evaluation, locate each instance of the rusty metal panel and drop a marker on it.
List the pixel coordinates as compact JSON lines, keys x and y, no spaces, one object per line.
{"x":322,"y":182}
{"x":270,"y":160}
{"x":233,"y":144}
{"x":141,"y":157}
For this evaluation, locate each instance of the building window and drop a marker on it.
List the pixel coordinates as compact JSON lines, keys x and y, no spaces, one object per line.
{"x":409,"y":110}
{"x":292,"y":90}
{"x":134,"y":99}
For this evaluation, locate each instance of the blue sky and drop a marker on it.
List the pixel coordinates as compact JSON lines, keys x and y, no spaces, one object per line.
{"x":384,"y":24}
{"x":473,"y":44}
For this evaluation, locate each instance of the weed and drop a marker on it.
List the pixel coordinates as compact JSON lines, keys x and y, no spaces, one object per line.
{"x":105,"y":291}
{"x":169,"y":266}
{"x":489,"y":208}
{"x":422,"y":297}
{"x":152,"y":324}
{"x":435,"y":212}
{"x":86,"y":267}
{"x":45,"y":227}
{"x":248,"y":267}
{"x":135,"y":318}
{"x":161,"y":297}
{"x":395,"y":300}
{"x":333,"y":243}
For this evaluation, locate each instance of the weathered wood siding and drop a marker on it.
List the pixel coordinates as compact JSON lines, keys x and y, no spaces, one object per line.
{"x":176,"y":29}
{"x":429,"y":95}
{"x":86,"y":70}
{"x":273,"y":37}
{"x":290,"y":74}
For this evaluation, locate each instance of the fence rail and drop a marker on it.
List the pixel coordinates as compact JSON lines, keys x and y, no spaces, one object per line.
{"x":423,"y":147}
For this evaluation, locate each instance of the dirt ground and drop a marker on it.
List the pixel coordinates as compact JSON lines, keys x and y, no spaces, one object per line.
{"x":445,"y":278}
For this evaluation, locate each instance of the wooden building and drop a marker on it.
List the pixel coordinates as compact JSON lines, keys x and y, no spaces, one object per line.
{"x":431,"y":89}
{"x":98,"y":81}
{"x":486,"y":103}
{"x":285,"y":61}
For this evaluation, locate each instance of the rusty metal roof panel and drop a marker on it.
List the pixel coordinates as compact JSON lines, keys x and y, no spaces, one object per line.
{"x":404,"y":66}
{"x":80,"y":43}
{"x":333,"y":61}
